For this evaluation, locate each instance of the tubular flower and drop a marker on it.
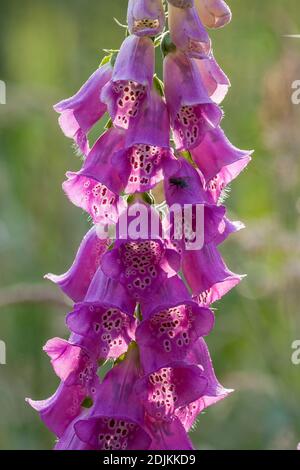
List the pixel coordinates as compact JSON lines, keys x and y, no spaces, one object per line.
{"x":169,"y":329}
{"x":96,"y":187}
{"x":76,"y":281}
{"x":213,"y":13}
{"x":131,"y":80}
{"x":192,"y":111}
{"x":147,"y":156}
{"x":145,"y":276}
{"x":81,"y":112}
{"x":188,"y":33}
{"x":145,"y":17}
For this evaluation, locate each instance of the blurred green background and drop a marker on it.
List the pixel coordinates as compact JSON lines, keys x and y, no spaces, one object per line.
{"x":48,"y":48}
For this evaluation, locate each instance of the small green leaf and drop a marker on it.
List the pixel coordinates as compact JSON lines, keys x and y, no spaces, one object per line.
{"x":159,"y":85}
{"x":105,"y":60}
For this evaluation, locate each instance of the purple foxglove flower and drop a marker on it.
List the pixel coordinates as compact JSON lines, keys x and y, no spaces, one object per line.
{"x":75,"y":282}
{"x":69,"y":440}
{"x":96,"y":187}
{"x":76,"y":366}
{"x":142,"y":262}
{"x":214,"y":392}
{"x":131,"y":81}
{"x":116,"y":421}
{"x":188,"y":33}
{"x":58,"y":411}
{"x":168,"y":435}
{"x":214,"y":79}
{"x":192,"y":112}
{"x":207,"y":275}
{"x":83,"y":110}
{"x":186,"y":187}
{"x":148,"y":156}
{"x":105,"y":317}
{"x":219,"y":161}
{"x":145,"y":17}
{"x":166,"y":390}
{"x":213,"y":13}
{"x":182,"y":3}
{"x":171,"y":324}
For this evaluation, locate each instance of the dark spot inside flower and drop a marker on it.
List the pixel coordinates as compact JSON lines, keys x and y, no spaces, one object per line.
{"x":178,"y":182}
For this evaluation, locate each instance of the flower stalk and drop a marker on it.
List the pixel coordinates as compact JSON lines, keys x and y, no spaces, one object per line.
{"x":144,"y":300}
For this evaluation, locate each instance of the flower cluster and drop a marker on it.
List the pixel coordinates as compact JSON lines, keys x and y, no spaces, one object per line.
{"x":143,"y":302}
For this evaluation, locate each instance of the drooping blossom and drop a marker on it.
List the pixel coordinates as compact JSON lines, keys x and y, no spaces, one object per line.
{"x":192,"y":112}
{"x":105,"y":317}
{"x":188,"y":198}
{"x":75,"y":282}
{"x":131,"y":81}
{"x":143,"y":262}
{"x":145,"y":17}
{"x":75,"y":363}
{"x":214,"y":392}
{"x":147,"y":156}
{"x":214,"y":78}
{"x":172,"y":322}
{"x":97,"y":186}
{"x":81,"y":112}
{"x":213,"y":13}
{"x":117,"y":419}
{"x":188,"y":33}
{"x":207,"y":274}
{"x":219,"y":161}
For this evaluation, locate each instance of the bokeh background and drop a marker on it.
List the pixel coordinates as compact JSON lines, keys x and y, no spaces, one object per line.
{"x":48,"y":48}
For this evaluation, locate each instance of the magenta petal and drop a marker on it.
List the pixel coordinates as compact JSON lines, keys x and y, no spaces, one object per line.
{"x":141,"y":265}
{"x":122,"y":433}
{"x":186,"y":186}
{"x":214,"y":13}
{"x":192,"y":112}
{"x":152,"y":125}
{"x":168,"y":435}
{"x":64,"y":356}
{"x":70,"y":441}
{"x":59,"y":411}
{"x":228,"y":228}
{"x":106,"y":317}
{"x":142,"y":167}
{"x":169,"y":334}
{"x":131,"y":81}
{"x":147,"y":156}
{"x":98,"y":165}
{"x":109,"y":292}
{"x":116,"y":420}
{"x":165,"y":390}
{"x":83,"y":110}
{"x":219,"y":161}
{"x":188,"y":33}
{"x":214,"y":79}
{"x":103,"y":205}
{"x":145,"y":17}
{"x":207,"y":274}
{"x":75,"y":282}
{"x":112,"y":329}
{"x":214,"y":393}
